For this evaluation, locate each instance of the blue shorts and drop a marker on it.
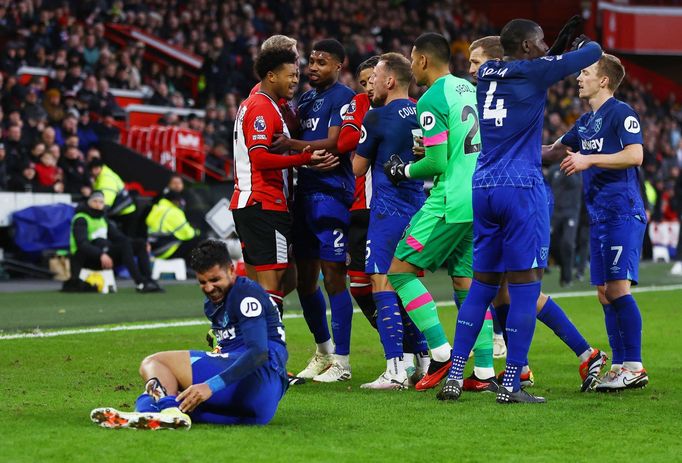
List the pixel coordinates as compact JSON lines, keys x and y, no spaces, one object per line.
{"x":252,"y":400}
{"x":615,"y":248}
{"x":383,"y":235}
{"x":321,"y":223}
{"x":511,"y":228}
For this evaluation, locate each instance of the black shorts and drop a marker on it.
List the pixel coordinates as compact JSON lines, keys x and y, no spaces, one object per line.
{"x":265,"y":236}
{"x":357,"y":241}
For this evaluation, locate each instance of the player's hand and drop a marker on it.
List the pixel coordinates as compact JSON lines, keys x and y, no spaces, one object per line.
{"x":280,"y":144}
{"x":323,"y":161}
{"x":574,"y":163}
{"x":418,"y":148}
{"x":194,"y":395}
{"x":579,"y":41}
{"x":565,"y":35}
{"x":394,"y":169}
{"x":106,"y":261}
{"x":290,"y":118}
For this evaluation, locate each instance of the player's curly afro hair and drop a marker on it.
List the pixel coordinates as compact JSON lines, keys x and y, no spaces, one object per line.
{"x":208,"y":254}
{"x":271,"y":59}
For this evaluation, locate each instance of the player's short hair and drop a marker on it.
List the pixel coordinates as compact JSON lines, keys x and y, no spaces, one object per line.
{"x":491,"y":46}
{"x":399,"y":66}
{"x":278,"y":42}
{"x":515,"y":32}
{"x":369,"y":63}
{"x":272,"y":59}
{"x":434,"y":45}
{"x":333,"y":47}
{"x":611,"y":67}
{"x":208,"y":254}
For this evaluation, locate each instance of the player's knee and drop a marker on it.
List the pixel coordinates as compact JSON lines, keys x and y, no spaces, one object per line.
{"x":461,"y":283}
{"x":601,"y":295}
{"x":613,"y":292}
{"x":148,"y":362}
{"x":542,"y":300}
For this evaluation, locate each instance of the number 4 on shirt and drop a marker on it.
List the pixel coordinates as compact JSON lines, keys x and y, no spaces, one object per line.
{"x":499,"y":112}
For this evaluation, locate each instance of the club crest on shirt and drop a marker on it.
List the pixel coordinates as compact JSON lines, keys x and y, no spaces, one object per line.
{"x":351,"y":108}
{"x":597,"y":125}
{"x":544,"y":252}
{"x":259,"y":124}
{"x":318,"y":104}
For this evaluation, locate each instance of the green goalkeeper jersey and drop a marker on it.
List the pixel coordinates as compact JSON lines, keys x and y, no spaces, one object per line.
{"x":449,"y":121}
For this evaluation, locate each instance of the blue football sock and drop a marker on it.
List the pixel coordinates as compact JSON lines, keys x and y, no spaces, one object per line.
{"x":167,"y":402}
{"x":146,"y":403}
{"x":469,"y":321}
{"x":556,"y":320}
{"x":315,"y":314}
{"x":520,"y":328}
{"x":342,"y":318}
{"x":613,"y":331}
{"x":389,"y":323}
{"x":630,"y":325}
{"x":414,"y":341}
{"x":502,"y":312}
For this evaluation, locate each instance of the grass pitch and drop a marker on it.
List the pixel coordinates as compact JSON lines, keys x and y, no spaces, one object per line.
{"x":49,"y":386}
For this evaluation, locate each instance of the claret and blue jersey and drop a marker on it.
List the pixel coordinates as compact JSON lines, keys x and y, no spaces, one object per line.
{"x":609,"y":193}
{"x":389,"y":130}
{"x":511,"y":98}
{"x":317,"y":111}
{"x":246,"y":304}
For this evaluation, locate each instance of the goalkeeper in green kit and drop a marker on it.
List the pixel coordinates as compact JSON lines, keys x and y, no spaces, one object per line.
{"x":442,"y":231}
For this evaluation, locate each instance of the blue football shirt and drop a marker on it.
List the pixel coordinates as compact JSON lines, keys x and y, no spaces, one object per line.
{"x":511,"y":98}
{"x":317,"y":111}
{"x":609,"y":193}
{"x":245,"y":303}
{"x":389,"y":130}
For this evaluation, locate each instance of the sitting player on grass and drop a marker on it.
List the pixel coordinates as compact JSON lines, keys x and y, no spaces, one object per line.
{"x":240,"y":382}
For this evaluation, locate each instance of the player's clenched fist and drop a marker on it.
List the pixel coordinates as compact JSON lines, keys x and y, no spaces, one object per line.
{"x":394,"y":169}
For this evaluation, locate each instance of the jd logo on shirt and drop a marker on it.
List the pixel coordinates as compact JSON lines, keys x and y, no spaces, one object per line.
{"x":250,"y":307}
{"x":428,"y":120}
{"x":631,"y":124}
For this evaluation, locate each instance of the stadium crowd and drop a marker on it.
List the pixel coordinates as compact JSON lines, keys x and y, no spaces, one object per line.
{"x":51,"y":128}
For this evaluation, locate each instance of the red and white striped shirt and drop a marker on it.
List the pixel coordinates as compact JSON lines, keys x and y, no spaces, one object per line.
{"x":258,"y":119}
{"x":349,"y":137}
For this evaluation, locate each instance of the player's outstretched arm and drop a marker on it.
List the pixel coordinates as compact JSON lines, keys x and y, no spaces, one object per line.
{"x":434,"y":162}
{"x":630,"y":156}
{"x":284,"y":143}
{"x":551,"y":69}
{"x":554,"y":153}
{"x":360,"y":165}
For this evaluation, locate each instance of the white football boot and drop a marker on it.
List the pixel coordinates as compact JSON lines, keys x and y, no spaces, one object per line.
{"x":387,"y":381}
{"x":318,"y":364}
{"x":336,"y":372}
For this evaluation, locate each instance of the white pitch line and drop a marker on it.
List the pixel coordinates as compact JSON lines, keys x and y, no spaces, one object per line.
{"x":196,"y":322}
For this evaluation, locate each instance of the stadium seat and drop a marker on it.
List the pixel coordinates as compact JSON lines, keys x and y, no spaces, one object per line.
{"x":107,"y":275}
{"x":175,"y":266}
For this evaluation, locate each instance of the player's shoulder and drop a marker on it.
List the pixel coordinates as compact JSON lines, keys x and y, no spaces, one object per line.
{"x":359,"y":102}
{"x":373,"y":117}
{"x":247,"y":297}
{"x":342,"y":91}
{"x":620,"y":107}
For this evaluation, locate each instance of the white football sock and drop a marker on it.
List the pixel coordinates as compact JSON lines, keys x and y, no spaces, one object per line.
{"x":396,"y":367}
{"x":484,"y":372}
{"x":343,"y":360}
{"x":441,"y":353}
{"x":325,"y":348}
{"x":585,"y":355}
{"x":633,"y":366}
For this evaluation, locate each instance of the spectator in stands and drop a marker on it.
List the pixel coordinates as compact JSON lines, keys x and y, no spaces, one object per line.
{"x":97,"y":243}
{"x":58,"y":81}
{"x":32,"y":107}
{"x":87,"y":137}
{"x":105,"y":129}
{"x":160,"y":96}
{"x":15,"y":149}
{"x":105,"y":101}
{"x":87,"y":95}
{"x":68,"y":127}
{"x":170,"y":233}
{"x":49,"y":175}
{"x":76,"y":177}
{"x":48,"y":137}
{"x":24,"y":179}
{"x":3,"y":168}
